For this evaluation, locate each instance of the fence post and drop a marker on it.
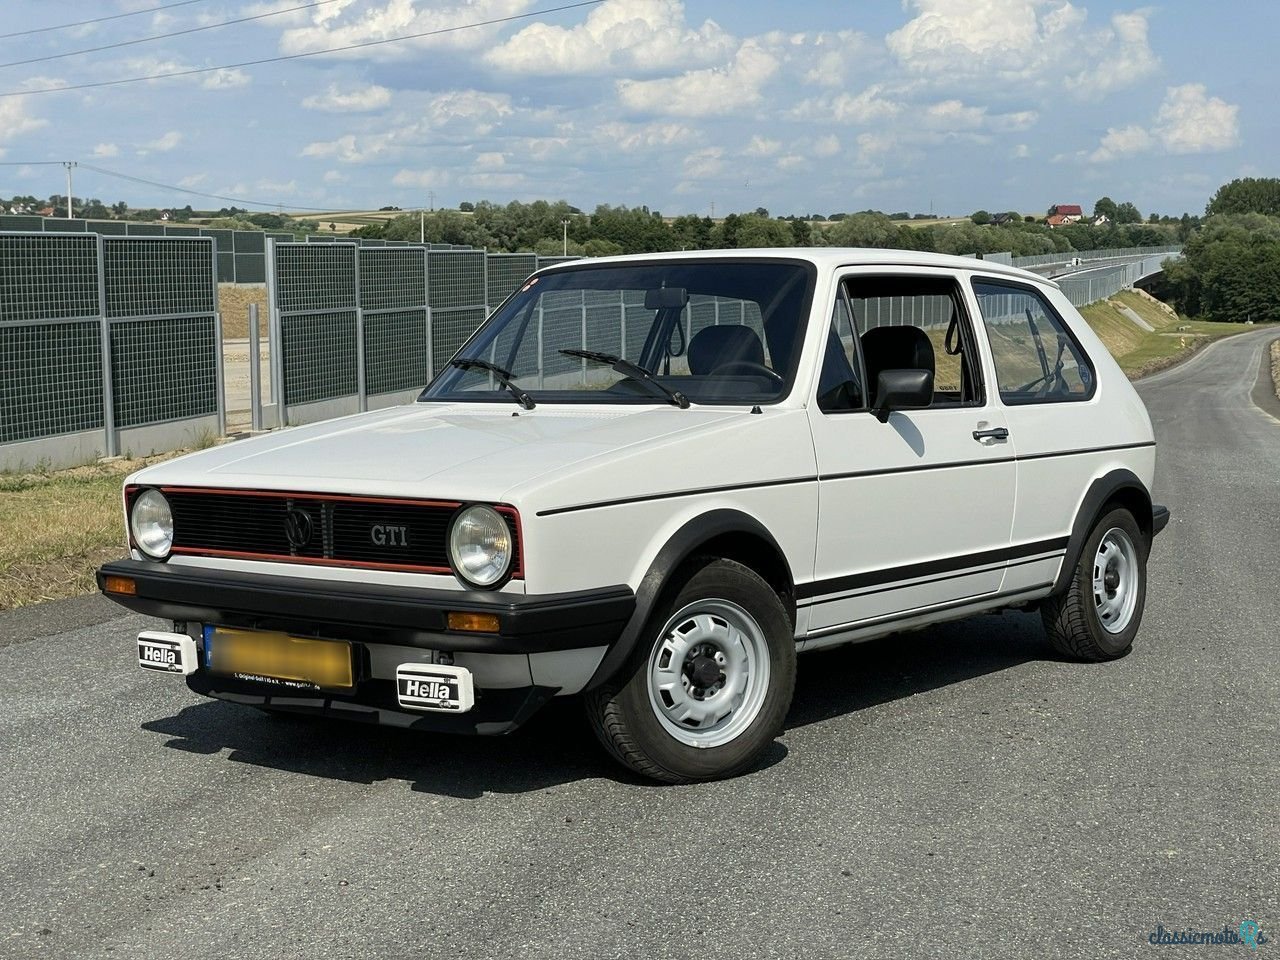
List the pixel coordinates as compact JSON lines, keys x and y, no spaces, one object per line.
{"x":275,"y":338}
{"x":255,"y":374}
{"x":363,"y":398}
{"x":221,"y":381}
{"x":111,"y":441}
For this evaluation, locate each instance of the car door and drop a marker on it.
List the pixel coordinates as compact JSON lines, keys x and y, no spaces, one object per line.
{"x":915,"y":512}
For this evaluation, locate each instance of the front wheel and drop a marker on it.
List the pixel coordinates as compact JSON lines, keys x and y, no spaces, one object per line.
{"x":1098,"y":616}
{"x":710,"y":685}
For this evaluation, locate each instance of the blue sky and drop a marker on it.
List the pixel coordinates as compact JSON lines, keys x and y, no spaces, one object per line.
{"x":799,"y":106}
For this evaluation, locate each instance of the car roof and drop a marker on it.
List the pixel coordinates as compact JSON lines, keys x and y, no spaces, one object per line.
{"x":829,"y":258}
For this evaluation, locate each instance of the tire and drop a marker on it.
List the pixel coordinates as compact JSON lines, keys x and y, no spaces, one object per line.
{"x":722,"y":642}
{"x":1098,"y":616}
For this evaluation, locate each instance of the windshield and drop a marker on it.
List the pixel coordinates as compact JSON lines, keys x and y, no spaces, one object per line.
{"x":711,"y":331}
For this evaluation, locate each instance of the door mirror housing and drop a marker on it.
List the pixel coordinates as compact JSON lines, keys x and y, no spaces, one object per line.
{"x":902,"y":390}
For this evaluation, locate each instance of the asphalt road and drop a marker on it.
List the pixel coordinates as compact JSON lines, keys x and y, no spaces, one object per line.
{"x":955,"y":792}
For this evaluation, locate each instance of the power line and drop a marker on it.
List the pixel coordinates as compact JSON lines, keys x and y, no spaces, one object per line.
{"x":165,"y":36}
{"x":198,"y":193}
{"x":298,"y":56}
{"x":114,"y":16}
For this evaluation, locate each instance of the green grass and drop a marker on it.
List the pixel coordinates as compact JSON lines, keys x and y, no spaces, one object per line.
{"x":1139,"y":352}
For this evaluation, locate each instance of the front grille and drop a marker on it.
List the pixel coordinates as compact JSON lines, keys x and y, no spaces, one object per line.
{"x":376,"y":532}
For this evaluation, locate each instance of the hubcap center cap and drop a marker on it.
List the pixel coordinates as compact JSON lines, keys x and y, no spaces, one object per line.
{"x":704,"y":671}
{"x":1111,"y":580}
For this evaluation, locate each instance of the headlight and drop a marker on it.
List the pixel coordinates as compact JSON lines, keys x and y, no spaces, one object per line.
{"x":151,"y":523}
{"x":480,"y":546}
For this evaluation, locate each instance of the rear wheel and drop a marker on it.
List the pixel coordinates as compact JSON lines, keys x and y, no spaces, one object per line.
{"x":710,"y":684}
{"x":1099,"y":615}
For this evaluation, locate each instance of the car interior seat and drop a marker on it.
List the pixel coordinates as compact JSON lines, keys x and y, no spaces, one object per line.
{"x":895,"y":348}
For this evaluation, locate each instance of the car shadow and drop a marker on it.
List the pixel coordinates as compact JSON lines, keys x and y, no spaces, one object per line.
{"x":557,"y":747}
{"x":844,"y":680}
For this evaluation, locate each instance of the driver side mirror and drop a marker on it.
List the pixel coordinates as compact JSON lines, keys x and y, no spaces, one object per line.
{"x":902,"y":390}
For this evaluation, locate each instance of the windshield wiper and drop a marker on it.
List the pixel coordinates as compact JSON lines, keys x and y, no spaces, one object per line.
{"x":502,"y":376}
{"x":629,"y":369}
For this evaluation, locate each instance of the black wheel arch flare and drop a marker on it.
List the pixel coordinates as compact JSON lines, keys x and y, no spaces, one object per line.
{"x":725,"y":532}
{"x":1121,"y":487}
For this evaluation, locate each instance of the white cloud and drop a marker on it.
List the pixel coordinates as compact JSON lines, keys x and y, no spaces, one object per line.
{"x":617,"y":35}
{"x":991,"y":43}
{"x":348,"y":22}
{"x":1120,"y":142}
{"x":827,"y":146}
{"x":832,"y":56}
{"x":193,"y":181}
{"x":1021,"y":152}
{"x":226,"y":79}
{"x":356,"y":100}
{"x":162,"y":144}
{"x":334,"y":176}
{"x":762,"y":147}
{"x":14,"y":119}
{"x":632,"y":137}
{"x":489,"y":161}
{"x":421,"y":179}
{"x":350,"y":148}
{"x":106,"y":150}
{"x":278,"y":187}
{"x":954,"y":115}
{"x":493,"y":181}
{"x":700,"y":93}
{"x":869,"y":106}
{"x":704,"y":163}
{"x":791,"y":161}
{"x":1190,"y":121}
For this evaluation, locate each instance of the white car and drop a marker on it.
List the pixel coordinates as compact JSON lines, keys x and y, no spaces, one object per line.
{"x":652,"y":481}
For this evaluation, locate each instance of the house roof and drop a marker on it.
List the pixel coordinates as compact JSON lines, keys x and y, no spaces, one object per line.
{"x":1056,"y":220}
{"x":1068,"y":209}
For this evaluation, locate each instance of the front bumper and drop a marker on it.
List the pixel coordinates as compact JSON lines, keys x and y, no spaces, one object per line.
{"x":373,"y":612}
{"x":532,"y":631}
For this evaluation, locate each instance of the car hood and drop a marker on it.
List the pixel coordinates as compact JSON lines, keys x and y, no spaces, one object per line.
{"x":446,"y":451}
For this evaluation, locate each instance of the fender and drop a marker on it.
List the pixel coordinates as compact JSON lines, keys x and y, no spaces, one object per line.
{"x":683,"y":544}
{"x":1123,"y":482}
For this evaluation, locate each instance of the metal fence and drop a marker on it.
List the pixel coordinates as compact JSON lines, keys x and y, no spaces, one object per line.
{"x":108,"y":345}
{"x":1103,"y":283}
{"x":241,"y":253}
{"x":1120,"y":253}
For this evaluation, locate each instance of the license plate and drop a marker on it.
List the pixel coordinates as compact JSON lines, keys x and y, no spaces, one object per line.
{"x":277,"y":658}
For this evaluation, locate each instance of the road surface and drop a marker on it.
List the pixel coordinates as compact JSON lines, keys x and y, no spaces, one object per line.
{"x":955,"y":792}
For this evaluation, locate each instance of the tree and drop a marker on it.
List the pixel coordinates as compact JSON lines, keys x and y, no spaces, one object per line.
{"x":1230,"y":269}
{"x":1247,"y":195}
{"x":1105,"y":207}
{"x":119,"y":209}
{"x":1127,"y":213}
{"x":980,"y":217}
{"x":466,"y":206}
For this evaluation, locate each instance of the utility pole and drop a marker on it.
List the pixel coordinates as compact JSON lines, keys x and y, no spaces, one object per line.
{"x":68,"y":164}
{"x":564,"y":224}
{"x":713,"y":210}
{"x":422,"y":227}
{"x":431,"y":199}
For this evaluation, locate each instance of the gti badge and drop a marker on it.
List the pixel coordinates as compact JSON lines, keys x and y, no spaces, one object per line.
{"x":385,"y":535}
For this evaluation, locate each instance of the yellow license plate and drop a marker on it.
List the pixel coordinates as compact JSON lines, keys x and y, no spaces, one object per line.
{"x":258,"y":654}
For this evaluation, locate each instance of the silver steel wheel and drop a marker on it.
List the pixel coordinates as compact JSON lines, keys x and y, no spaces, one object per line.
{"x":708,"y":673}
{"x":1115,"y":580}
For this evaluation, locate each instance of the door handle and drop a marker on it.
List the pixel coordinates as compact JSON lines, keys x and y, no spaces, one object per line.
{"x":995,"y":433}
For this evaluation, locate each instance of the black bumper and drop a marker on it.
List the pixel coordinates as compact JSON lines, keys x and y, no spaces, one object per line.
{"x":1159,"y":518}
{"x":374,"y":613}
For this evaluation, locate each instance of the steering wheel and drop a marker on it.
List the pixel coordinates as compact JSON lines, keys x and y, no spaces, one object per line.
{"x":748,"y":367}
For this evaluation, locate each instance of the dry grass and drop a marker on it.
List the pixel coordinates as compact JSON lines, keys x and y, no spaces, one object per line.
{"x":1275,"y":366}
{"x":56,"y":528}
{"x":233,"y":304}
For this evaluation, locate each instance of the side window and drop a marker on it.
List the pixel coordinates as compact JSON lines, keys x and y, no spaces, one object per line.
{"x":917,"y":323}
{"x":840,"y":385}
{"x":1037,"y":359}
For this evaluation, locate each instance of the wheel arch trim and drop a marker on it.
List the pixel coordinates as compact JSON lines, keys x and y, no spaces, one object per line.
{"x":685,"y":543}
{"x":1117,"y":484}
